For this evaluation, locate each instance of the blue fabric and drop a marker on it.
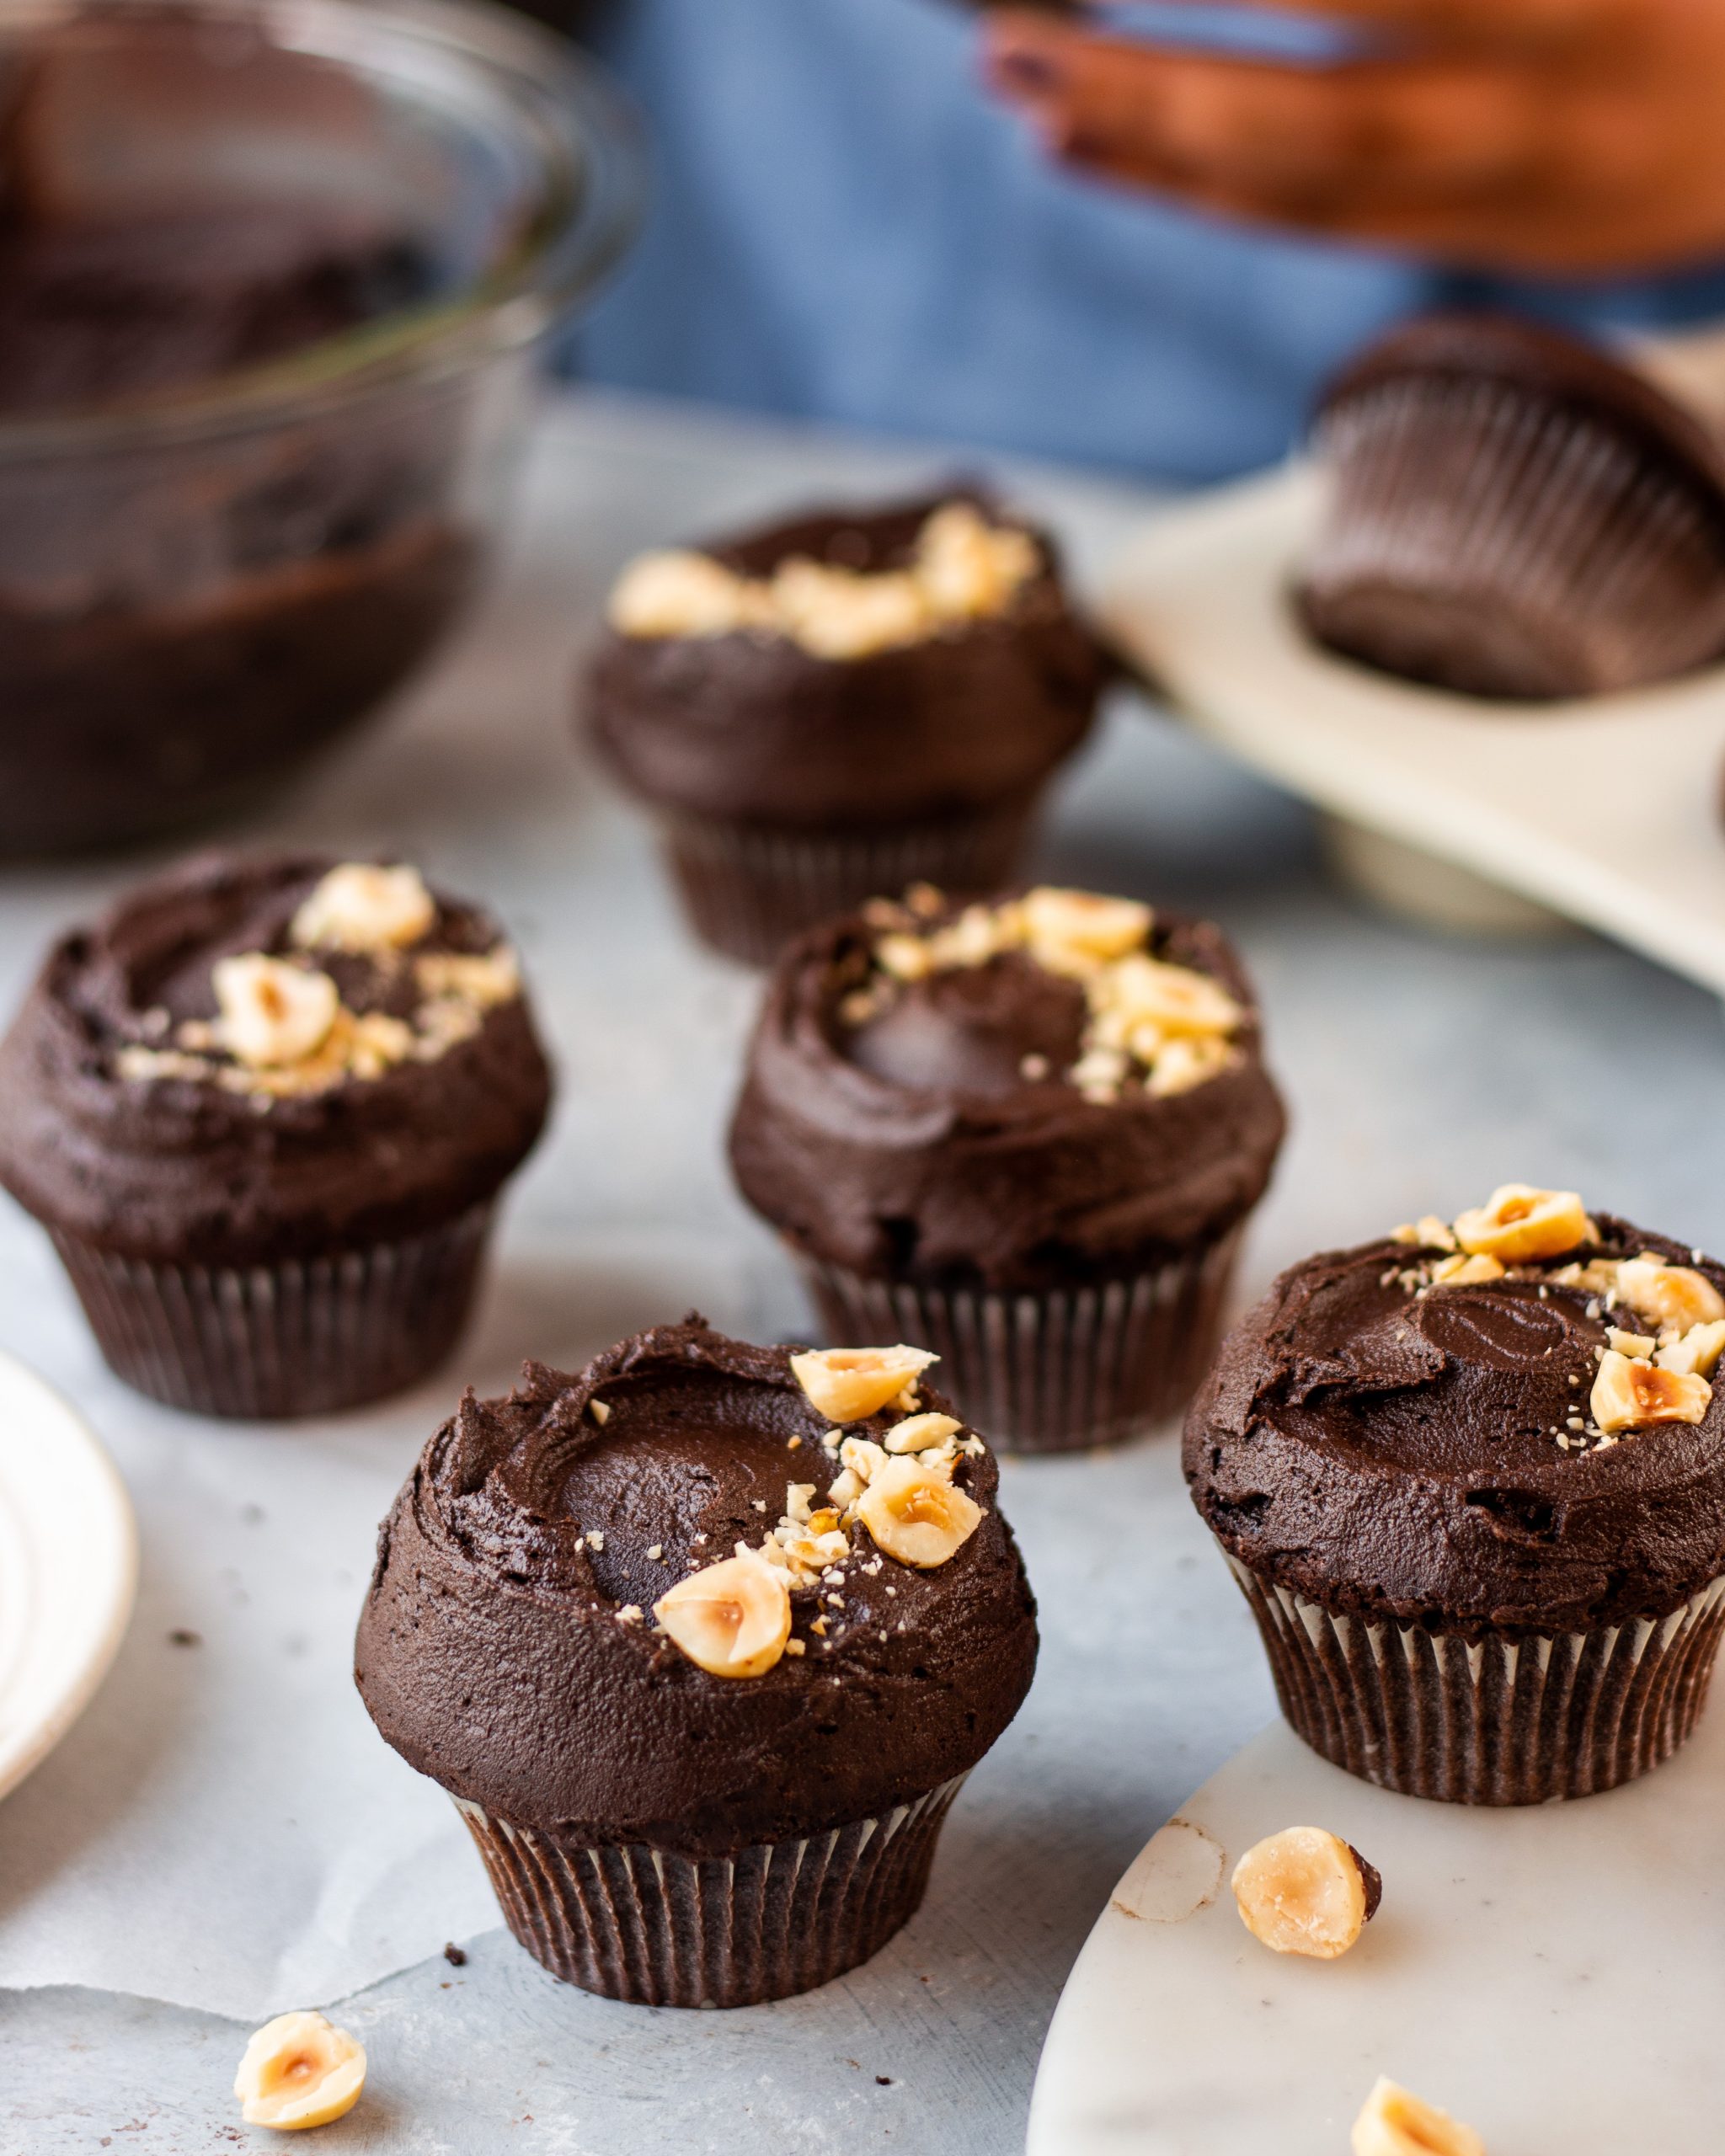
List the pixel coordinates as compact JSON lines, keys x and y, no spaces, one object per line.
{"x":845,"y":226}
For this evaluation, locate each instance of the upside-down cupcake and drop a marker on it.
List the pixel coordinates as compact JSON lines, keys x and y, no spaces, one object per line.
{"x":840,"y":705}
{"x":702,"y":1642}
{"x":1026,"y":1133}
{"x":1515,"y":514}
{"x":1471,"y":1480}
{"x":264,"y":1108}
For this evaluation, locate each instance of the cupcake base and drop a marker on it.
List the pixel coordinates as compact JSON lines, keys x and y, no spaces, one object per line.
{"x":747,"y":889}
{"x":303,"y":1337}
{"x":1053,"y":1371}
{"x":649,"y":1926}
{"x":1503,"y":1719}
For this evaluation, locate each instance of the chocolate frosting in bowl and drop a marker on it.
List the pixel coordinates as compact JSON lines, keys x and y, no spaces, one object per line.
{"x":503,"y":1650}
{"x":177,"y":1168}
{"x":1397,"y":1454}
{"x":753,"y":728}
{"x":914,"y":1146}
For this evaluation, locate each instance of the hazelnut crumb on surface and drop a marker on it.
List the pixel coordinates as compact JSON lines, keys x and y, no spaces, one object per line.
{"x":1395,"y":2122}
{"x":599,"y":1413}
{"x":299,"y":2071}
{"x":1305,"y":1891}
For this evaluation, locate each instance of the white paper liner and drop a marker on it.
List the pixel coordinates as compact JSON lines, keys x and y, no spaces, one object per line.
{"x":1458,"y":489}
{"x":1053,"y":1371}
{"x":748,"y":889}
{"x":301,"y":1338}
{"x":650,"y":1926}
{"x":1504,"y":1719}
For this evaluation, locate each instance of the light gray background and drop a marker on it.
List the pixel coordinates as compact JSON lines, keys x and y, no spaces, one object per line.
{"x":1420,"y":1071}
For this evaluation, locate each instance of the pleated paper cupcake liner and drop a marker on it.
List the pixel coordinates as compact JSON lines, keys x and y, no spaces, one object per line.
{"x":1051,"y":1372}
{"x":658,"y":1929}
{"x":1504,"y":1719}
{"x":302,"y":1338}
{"x":748,"y":889}
{"x":1490,"y":505}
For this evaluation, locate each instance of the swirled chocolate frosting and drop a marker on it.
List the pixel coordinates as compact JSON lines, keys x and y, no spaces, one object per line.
{"x":1408,"y":1453}
{"x":914,"y":1146}
{"x":752,"y":727}
{"x":175,"y":1167}
{"x":503,"y":1651}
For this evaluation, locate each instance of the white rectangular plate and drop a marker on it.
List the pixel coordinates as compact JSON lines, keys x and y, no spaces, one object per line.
{"x":1608,"y":811}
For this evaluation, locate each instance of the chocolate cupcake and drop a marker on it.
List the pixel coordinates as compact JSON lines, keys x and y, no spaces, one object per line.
{"x":1471,"y":1480}
{"x":1027,"y":1134}
{"x":842,"y":705}
{"x":263,"y":1108}
{"x":701,"y":1669}
{"x":1514,"y":515}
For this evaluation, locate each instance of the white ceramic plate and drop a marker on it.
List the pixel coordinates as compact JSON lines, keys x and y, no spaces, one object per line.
{"x":68,"y":1569}
{"x":1607,"y":811}
{"x":1555,"y":1976}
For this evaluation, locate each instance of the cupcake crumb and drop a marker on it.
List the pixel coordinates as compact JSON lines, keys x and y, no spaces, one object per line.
{"x":455,"y":1955}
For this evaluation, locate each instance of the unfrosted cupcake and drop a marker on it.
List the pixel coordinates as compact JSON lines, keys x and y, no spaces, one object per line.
{"x":1514,"y":514}
{"x":702,"y":1642}
{"x":1027,"y":1134}
{"x":839,"y":705}
{"x":264,"y":1108}
{"x":1472,"y":1481}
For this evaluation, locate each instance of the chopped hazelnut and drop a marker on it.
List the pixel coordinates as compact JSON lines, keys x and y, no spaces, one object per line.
{"x":1633,"y":1395}
{"x":917,"y":1515}
{"x":1669,"y":1295}
{"x":847,"y":1385}
{"x":1395,"y":2122}
{"x":1518,"y":1224}
{"x":299,"y":2070}
{"x":1305,"y":1891}
{"x":731,"y":1619}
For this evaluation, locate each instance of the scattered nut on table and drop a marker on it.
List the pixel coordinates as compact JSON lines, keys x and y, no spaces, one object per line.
{"x":1305,"y":1891}
{"x":299,"y":2070}
{"x":1395,"y":2122}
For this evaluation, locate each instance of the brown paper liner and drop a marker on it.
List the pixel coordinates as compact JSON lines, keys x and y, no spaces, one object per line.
{"x":657,"y":1928}
{"x":303,"y":1337}
{"x":1506,"y":1719}
{"x":1053,"y":1372}
{"x":1468,"y":495}
{"x":747,"y":890}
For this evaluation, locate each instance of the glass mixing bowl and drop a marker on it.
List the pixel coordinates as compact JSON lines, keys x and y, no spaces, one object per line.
{"x":202,"y":582}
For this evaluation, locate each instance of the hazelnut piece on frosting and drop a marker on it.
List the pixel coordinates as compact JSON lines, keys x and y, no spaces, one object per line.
{"x":1669,"y":1295}
{"x":917,"y":1433}
{"x":1695,"y":1352}
{"x":1518,"y":1224}
{"x":1084,"y":925}
{"x":272,"y":1013}
{"x":1395,"y":2122}
{"x":916,"y":1513}
{"x":1305,"y":1891}
{"x":847,"y":1385}
{"x":299,"y":2070}
{"x":360,"y":906}
{"x":1632,"y":1394}
{"x":731,"y":1619}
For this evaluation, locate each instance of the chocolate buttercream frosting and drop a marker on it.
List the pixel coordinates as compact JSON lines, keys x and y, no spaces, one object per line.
{"x":504,"y":1650}
{"x":751,"y":727}
{"x":179,"y":1167}
{"x":1426,"y":1454}
{"x":913,"y":1144}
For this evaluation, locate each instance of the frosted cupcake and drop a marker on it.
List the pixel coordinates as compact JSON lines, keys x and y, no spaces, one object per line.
{"x":702,"y":1642}
{"x":264,"y":1109}
{"x":841,"y":704}
{"x":1027,"y":1134}
{"x":1471,"y":1480}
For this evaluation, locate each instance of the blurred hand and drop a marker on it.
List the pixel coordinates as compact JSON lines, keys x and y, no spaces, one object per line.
{"x":1564,"y":136}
